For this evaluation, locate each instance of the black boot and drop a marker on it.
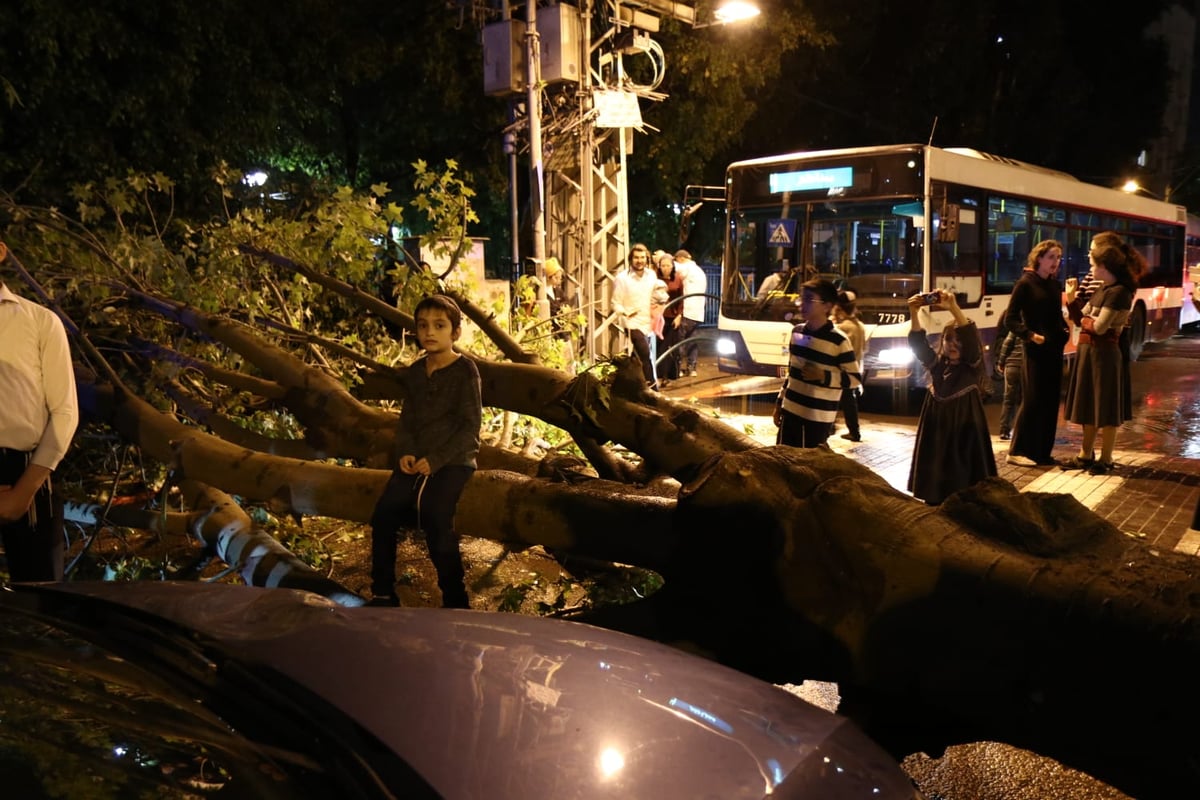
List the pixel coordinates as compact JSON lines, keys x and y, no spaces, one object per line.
{"x":451,"y":579}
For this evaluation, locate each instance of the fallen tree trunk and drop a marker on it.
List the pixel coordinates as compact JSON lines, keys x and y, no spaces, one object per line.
{"x":997,"y":616}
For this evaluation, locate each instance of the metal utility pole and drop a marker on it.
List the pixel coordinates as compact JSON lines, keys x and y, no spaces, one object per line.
{"x":585,"y":188}
{"x":537,"y":179}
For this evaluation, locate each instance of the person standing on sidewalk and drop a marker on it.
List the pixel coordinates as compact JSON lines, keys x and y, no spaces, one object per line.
{"x":953,"y":449}
{"x":658,"y":302}
{"x":632,"y":291}
{"x":1097,"y":397}
{"x":1011,"y":363}
{"x":1035,"y":315}
{"x":38,"y":418}
{"x":845,"y":314}
{"x":820,"y":366}
{"x":695,"y":285}
{"x":668,"y":369}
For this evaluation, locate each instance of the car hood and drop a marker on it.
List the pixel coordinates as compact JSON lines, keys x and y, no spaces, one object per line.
{"x":493,"y":705}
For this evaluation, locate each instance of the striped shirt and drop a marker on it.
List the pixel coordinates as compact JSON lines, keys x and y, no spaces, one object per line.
{"x":828,"y":348}
{"x":1088,"y":285}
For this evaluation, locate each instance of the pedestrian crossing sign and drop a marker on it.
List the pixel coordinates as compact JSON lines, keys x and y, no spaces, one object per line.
{"x":781,"y":232}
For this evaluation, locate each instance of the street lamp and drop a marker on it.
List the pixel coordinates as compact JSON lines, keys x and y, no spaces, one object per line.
{"x":732,"y":11}
{"x":727,"y":11}
{"x":1131,"y":186}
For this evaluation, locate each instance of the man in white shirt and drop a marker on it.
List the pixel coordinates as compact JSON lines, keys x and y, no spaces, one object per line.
{"x":632,"y":292}
{"x":38,"y":417}
{"x":695,"y":285}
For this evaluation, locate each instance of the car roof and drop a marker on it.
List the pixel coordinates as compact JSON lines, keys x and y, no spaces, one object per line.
{"x":495,"y":705}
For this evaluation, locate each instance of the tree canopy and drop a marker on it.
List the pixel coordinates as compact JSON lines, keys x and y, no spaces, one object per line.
{"x":354,"y":93}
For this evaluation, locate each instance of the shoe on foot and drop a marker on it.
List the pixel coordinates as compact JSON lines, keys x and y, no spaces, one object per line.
{"x":384,"y":601}
{"x":692,"y":373}
{"x":1101,"y":467}
{"x":852,"y":437}
{"x":1021,"y":461}
{"x":1004,"y":437}
{"x":1078,"y":462}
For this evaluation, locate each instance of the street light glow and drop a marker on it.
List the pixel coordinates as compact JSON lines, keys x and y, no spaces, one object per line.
{"x":735,"y":11}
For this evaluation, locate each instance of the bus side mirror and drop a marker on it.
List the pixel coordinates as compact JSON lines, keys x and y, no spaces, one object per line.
{"x":685,"y":220}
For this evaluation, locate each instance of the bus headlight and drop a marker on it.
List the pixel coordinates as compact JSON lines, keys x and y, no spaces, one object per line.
{"x":726,"y":347}
{"x":896,"y":356}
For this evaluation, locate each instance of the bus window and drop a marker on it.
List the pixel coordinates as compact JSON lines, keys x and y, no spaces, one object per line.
{"x":1048,"y":223}
{"x":1076,"y":244}
{"x":959,"y":254}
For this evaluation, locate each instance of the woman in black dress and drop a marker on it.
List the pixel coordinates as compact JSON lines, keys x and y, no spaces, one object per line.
{"x":953,"y":449}
{"x":1098,"y":395}
{"x":1035,"y":315}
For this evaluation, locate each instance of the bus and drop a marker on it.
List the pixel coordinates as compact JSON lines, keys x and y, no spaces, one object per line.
{"x":891,"y":221}
{"x":1191,"y":278}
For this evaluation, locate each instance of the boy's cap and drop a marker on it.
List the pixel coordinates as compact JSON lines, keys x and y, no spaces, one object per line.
{"x":823,"y":288}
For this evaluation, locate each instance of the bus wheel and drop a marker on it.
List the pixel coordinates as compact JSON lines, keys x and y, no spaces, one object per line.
{"x":1137,"y":332}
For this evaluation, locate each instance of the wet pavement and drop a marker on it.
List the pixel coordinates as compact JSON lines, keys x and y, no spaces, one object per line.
{"x":1151,"y":495}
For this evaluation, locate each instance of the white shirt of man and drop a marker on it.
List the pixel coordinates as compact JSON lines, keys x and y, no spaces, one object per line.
{"x":631,"y":297}
{"x":39,"y":411}
{"x":695,"y":284}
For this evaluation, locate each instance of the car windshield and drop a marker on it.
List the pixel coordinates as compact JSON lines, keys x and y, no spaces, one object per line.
{"x":78,"y":721}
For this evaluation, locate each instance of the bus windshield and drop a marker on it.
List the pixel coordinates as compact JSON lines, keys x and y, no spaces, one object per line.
{"x":871,"y":246}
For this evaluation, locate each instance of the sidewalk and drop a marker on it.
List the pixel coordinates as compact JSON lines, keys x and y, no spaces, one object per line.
{"x":1150,"y":496}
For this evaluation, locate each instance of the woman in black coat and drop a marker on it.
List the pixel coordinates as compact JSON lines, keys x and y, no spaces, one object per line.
{"x":1035,"y":315}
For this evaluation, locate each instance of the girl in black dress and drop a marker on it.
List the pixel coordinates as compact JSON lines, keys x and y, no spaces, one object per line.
{"x":953,"y":449}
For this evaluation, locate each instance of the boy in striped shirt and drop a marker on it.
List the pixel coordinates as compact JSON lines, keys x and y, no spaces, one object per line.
{"x":821,"y":364}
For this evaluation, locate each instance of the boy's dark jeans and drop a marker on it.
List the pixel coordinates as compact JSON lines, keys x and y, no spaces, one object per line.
{"x":414,"y":501}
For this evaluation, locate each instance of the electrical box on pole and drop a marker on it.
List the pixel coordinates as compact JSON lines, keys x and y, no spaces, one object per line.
{"x":558,"y":27}
{"x":504,"y":58}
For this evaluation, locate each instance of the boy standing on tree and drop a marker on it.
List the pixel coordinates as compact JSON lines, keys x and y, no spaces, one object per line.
{"x":437,"y":441}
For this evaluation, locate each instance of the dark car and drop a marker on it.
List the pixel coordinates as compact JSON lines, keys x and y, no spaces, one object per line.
{"x":192,"y":690}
